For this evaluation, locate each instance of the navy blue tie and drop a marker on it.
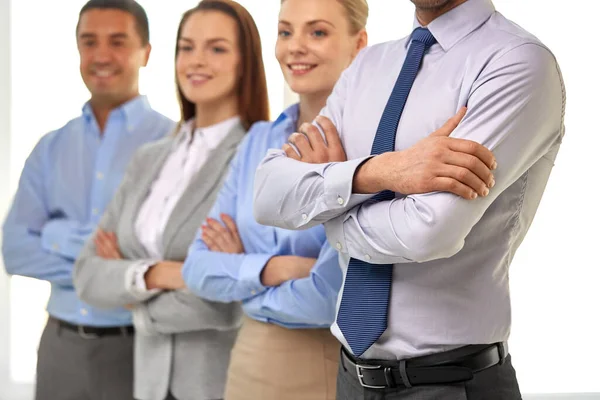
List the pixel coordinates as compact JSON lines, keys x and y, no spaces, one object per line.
{"x":363,"y":312}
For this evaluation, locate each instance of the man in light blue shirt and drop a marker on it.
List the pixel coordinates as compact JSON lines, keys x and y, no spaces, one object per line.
{"x":68,"y":179}
{"x":441,"y":261}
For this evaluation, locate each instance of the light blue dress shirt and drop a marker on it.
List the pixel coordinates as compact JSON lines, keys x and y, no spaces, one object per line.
{"x":451,"y":256}
{"x":68,"y":179}
{"x":301,"y":303}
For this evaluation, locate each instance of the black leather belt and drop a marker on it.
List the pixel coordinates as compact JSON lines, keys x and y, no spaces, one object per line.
{"x":95,"y":332}
{"x":453,"y":366}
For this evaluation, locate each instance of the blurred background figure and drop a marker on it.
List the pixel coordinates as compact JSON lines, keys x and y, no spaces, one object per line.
{"x":67,"y":181}
{"x":182,"y":342}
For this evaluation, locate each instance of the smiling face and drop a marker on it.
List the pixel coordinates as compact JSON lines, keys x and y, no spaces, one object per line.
{"x":111,"y":54}
{"x":315,"y":44}
{"x":208,"y":58}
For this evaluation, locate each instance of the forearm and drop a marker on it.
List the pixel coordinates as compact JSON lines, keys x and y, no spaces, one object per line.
{"x":293,"y":195}
{"x":64,"y":238}
{"x":309,"y":301}
{"x":181,"y":311}
{"x":223,"y":277}
{"x":24,"y":256}
{"x":108,"y":283}
{"x":297,"y":303}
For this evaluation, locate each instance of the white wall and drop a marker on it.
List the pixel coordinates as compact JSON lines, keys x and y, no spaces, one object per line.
{"x":554,"y":276}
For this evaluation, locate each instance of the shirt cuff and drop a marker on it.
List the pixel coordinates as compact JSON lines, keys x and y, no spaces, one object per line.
{"x":135,"y":282}
{"x":250,"y":271}
{"x":54,"y":235}
{"x":338,"y":184}
{"x":334,"y":230}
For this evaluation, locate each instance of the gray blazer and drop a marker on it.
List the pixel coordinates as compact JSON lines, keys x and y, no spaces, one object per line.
{"x":182,"y":342}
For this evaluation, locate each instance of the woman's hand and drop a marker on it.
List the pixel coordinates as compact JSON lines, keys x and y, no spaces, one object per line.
{"x":281,"y":269}
{"x":107,"y":245}
{"x":222,"y":238}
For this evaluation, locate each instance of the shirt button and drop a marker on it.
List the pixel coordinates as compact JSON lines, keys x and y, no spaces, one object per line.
{"x":304,"y":216}
{"x":95,"y":211}
{"x":55,"y":246}
{"x":338,"y":245}
{"x":129,"y":128}
{"x":340,"y":201}
{"x":367,"y":257}
{"x":83,"y":311}
{"x":253,"y":292}
{"x":100,"y":176}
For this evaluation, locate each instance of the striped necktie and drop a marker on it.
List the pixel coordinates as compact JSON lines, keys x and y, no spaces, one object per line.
{"x":363,"y":312}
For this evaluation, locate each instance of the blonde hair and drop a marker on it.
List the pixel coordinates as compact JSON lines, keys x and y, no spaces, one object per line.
{"x":357,"y":12}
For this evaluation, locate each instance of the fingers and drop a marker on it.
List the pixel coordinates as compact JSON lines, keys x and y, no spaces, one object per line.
{"x":451,"y":124}
{"x":216,"y":226}
{"x":230,"y":224}
{"x":208,"y":236}
{"x":106,"y":246}
{"x":446,"y":184}
{"x":291,"y":152}
{"x":315,"y":138}
{"x":474,"y":149}
{"x":301,"y":142}
{"x":480,"y":176}
{"x":467,"y":178}
{"x":331,"y":134}
{"x":216,"y":234}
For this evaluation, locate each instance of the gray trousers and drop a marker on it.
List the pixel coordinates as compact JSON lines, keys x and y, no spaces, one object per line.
{"x":73,"y":368}
{"x":495,"y":383}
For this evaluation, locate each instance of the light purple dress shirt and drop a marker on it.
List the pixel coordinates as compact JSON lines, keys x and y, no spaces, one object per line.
{"x":451,"y":274}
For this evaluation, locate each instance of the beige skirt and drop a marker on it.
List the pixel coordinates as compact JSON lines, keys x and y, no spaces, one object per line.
{"x":269,"y":362}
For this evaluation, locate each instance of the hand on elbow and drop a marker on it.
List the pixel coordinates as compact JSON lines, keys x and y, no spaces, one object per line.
{"x":437,"y":163}
{"x":312,"y":148}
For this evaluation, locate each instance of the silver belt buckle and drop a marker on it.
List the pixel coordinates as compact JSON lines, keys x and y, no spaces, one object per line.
{"x":361,"y":380}
{"x":88,"y":336}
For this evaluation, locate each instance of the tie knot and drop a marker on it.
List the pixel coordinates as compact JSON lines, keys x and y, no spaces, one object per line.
{"x":423,"y":35}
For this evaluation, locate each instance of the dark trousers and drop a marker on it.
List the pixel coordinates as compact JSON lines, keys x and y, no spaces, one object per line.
{"x":73,"y":368}
{"x":496,"y":383}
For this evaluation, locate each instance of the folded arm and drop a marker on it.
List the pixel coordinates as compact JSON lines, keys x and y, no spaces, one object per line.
{"x":110,"y":283}
{"x":179,"y":311}
{"x":65,"y":237}
{"x":291,"y":194}
{"x":515,"y":109}
{"x":309,"y":301}
{"x":23,"y":230}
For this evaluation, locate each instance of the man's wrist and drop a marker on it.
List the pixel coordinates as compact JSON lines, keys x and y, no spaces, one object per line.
{"x":366,"y":179}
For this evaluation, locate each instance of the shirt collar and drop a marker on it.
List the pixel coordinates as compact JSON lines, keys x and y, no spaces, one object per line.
{"x":451,"y":27}
{"x":132,"y":111}
{"x":213,"y":135}
{"x":289,"y":115}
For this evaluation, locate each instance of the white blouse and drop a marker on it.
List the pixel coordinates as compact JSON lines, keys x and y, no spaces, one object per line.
{"x":190,"y":152}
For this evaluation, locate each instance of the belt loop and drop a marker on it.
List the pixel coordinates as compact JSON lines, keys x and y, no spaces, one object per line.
{"x":343,"y":359}
{"x":403,"y":374}
{"x":502,"y":351}
{"x":389,"y":378}
{"x":58,"y":327}
{"x":124,"y":330}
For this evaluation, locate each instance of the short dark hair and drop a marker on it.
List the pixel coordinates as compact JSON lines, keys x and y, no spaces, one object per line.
{"x":129,"y":6}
